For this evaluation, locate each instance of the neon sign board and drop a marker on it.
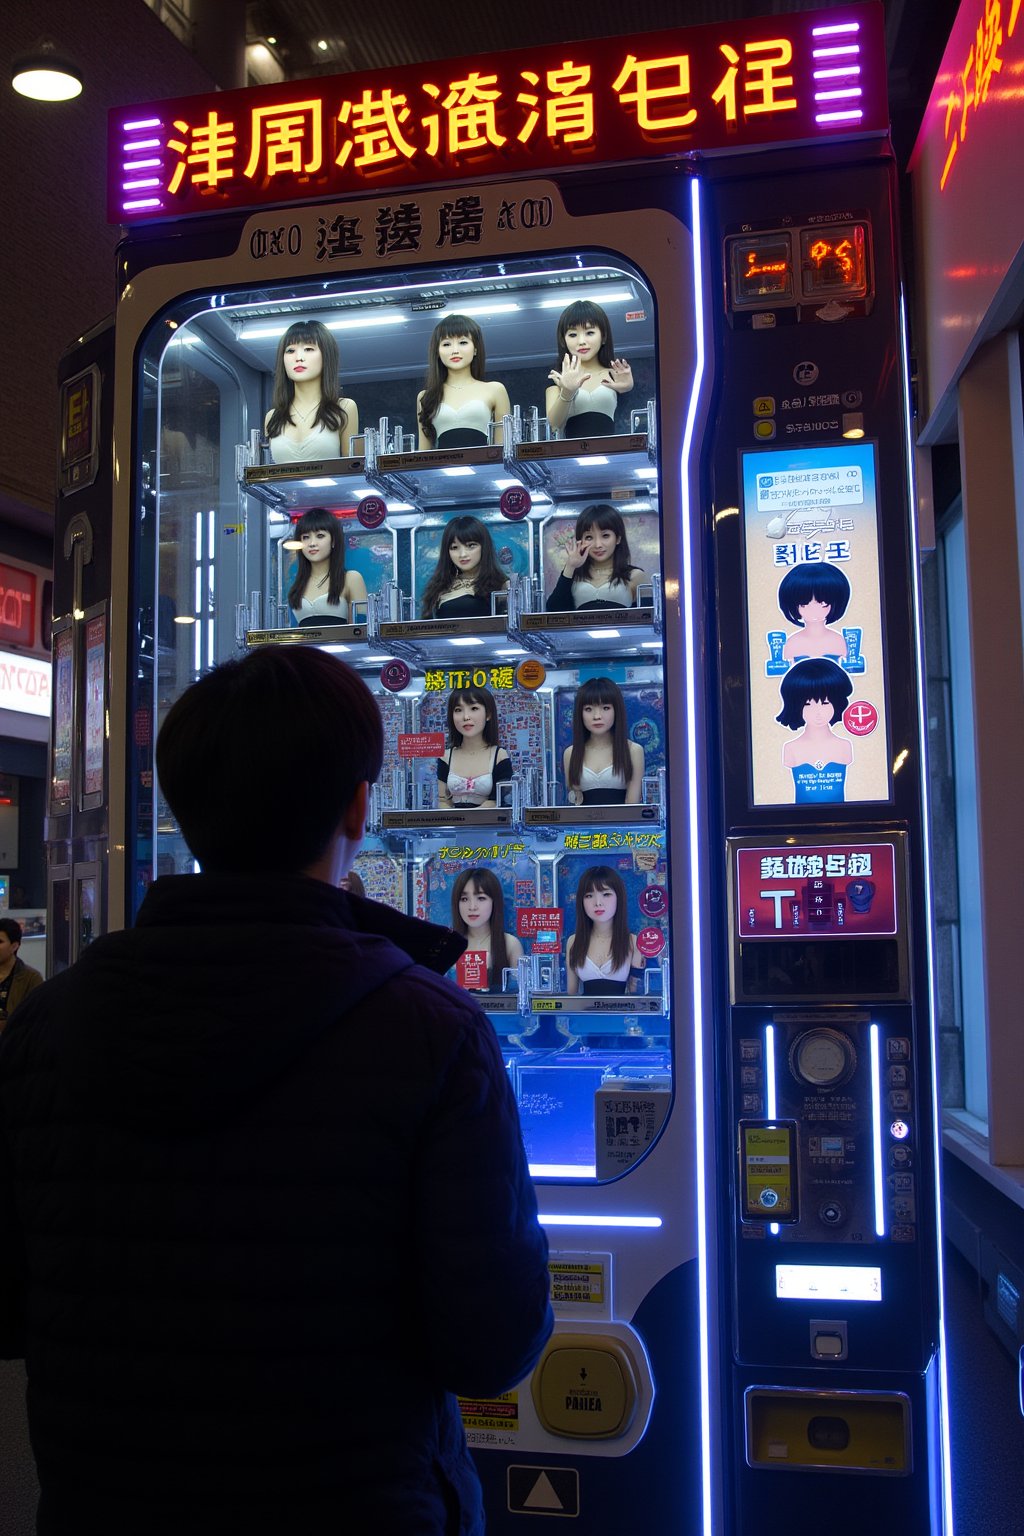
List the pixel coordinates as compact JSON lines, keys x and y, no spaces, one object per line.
{"x":992,"y":39}
{"x":695,"y":90}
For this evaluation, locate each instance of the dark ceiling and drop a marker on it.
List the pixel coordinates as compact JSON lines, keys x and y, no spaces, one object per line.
{"x":408,"y":32}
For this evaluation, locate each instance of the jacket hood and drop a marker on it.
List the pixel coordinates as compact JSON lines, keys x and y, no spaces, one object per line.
{"x":222,"y":985}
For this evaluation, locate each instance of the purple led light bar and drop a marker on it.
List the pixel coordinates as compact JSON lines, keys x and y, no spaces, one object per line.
{"x":133,"y":146}
{"x":850,"y":51}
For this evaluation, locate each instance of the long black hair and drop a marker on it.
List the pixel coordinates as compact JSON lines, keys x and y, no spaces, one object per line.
{"x":584,"y":312}
{"x":599,"y":690}
{"x":437,"y":373}
{"x":606,"y":517}
{"x":489,"y":576}
{"x":487,"y":884}
{"x":319,"y":520}
{"x":601,"y":877}
{"x":329,"y":413}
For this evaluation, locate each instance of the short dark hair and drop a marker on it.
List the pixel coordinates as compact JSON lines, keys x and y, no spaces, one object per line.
{"x":816,"y":678}
{"x":12,"y":928}
{"x":817,"y":580}
{"x":287,"y":724}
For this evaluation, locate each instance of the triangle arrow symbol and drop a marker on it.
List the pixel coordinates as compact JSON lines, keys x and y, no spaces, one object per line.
{"x":542,"y":1495}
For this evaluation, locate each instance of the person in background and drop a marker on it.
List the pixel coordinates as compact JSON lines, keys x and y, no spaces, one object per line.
{"x":264,"y":1204}
{"x":17,"y":979}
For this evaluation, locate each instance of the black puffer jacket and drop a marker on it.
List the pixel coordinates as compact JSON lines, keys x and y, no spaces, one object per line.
{"x":265,"y":1207}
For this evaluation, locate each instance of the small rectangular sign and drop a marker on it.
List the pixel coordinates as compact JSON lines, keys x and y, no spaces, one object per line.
{"x":768,"y":1172}
{"x":543,"y":925}
{"x":471,"y":970}
{"x":17,"y":605}
{"x":420,"y":743}
{"x":816,"y":892}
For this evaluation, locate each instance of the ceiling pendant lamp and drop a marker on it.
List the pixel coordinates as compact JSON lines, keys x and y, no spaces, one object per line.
{"x":44,"y":75}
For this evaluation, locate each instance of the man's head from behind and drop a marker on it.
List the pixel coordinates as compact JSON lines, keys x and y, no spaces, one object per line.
{"x":261,"y":758}
{"x":11,"y":930}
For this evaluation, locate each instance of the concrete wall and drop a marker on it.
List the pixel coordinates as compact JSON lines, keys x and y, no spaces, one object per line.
{"x":57,"y":270}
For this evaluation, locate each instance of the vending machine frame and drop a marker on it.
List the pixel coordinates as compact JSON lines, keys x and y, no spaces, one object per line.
{"x":697,"y":141}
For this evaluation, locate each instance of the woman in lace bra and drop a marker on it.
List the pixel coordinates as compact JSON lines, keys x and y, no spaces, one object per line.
{"x":466,"y":574}
{"x":474,"y":765}
{"x":585,"y":386}
{"x":323,"y":590}
{"x":309,"y":417}
{"x":597,"y":568}
{"x":478,"y":913}
{"x":457,"y":405}
{"x":601,"y":957}
{"x":602,"y":766}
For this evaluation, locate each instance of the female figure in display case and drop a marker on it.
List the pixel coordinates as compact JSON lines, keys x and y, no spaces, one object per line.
{"x":601,"y":957}
{"x":475,"y":764}
{"x":582,"y":396}
{"x":323,"y":590}
{"x":602,"y":766}
{"x":597,"y":568}
{"x":478,"y":913}
{"x":466,"y":574}
{"x":457,"y":404}
{"x":814,"y":695}
{"x":309,"y":417}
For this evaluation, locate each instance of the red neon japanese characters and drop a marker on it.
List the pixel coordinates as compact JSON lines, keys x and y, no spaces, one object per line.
{"x":700,"y":89}
{"x":972,"y":81}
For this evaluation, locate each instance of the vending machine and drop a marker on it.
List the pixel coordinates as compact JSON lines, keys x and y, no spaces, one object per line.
{"x":561,"y":394}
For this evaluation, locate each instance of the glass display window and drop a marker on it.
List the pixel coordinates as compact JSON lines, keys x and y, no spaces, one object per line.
{"x":312,"y":474}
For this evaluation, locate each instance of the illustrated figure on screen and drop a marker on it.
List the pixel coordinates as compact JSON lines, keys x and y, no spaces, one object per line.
{"x":602,"y":766}
{"x":601,"y":957}
{"x":478,"y":913}
{"x":309,"y":417}
{"x":587,"y":377}
{"x":812,"y":596}
{"x":597,"y":568}
{"x":474,"y":764}
{"x":814,"y":695}
{"x":457,"y":404}
{"x":323,"y":591}
{"x":466,"y":574}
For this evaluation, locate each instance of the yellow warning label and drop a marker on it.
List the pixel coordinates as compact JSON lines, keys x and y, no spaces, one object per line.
{"x":577,"y":1283}
{"x":768,"y":1170}
{"x":500,"y":1412}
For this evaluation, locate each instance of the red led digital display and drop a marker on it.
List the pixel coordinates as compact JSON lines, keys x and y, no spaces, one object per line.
{"x":762,"y":268}
{"x":834,"y":261}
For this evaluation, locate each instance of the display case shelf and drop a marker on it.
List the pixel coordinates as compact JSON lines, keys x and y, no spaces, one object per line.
{"x":297,"y":487}
{"x":333,"y":636}
{"x":440,"y":480}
